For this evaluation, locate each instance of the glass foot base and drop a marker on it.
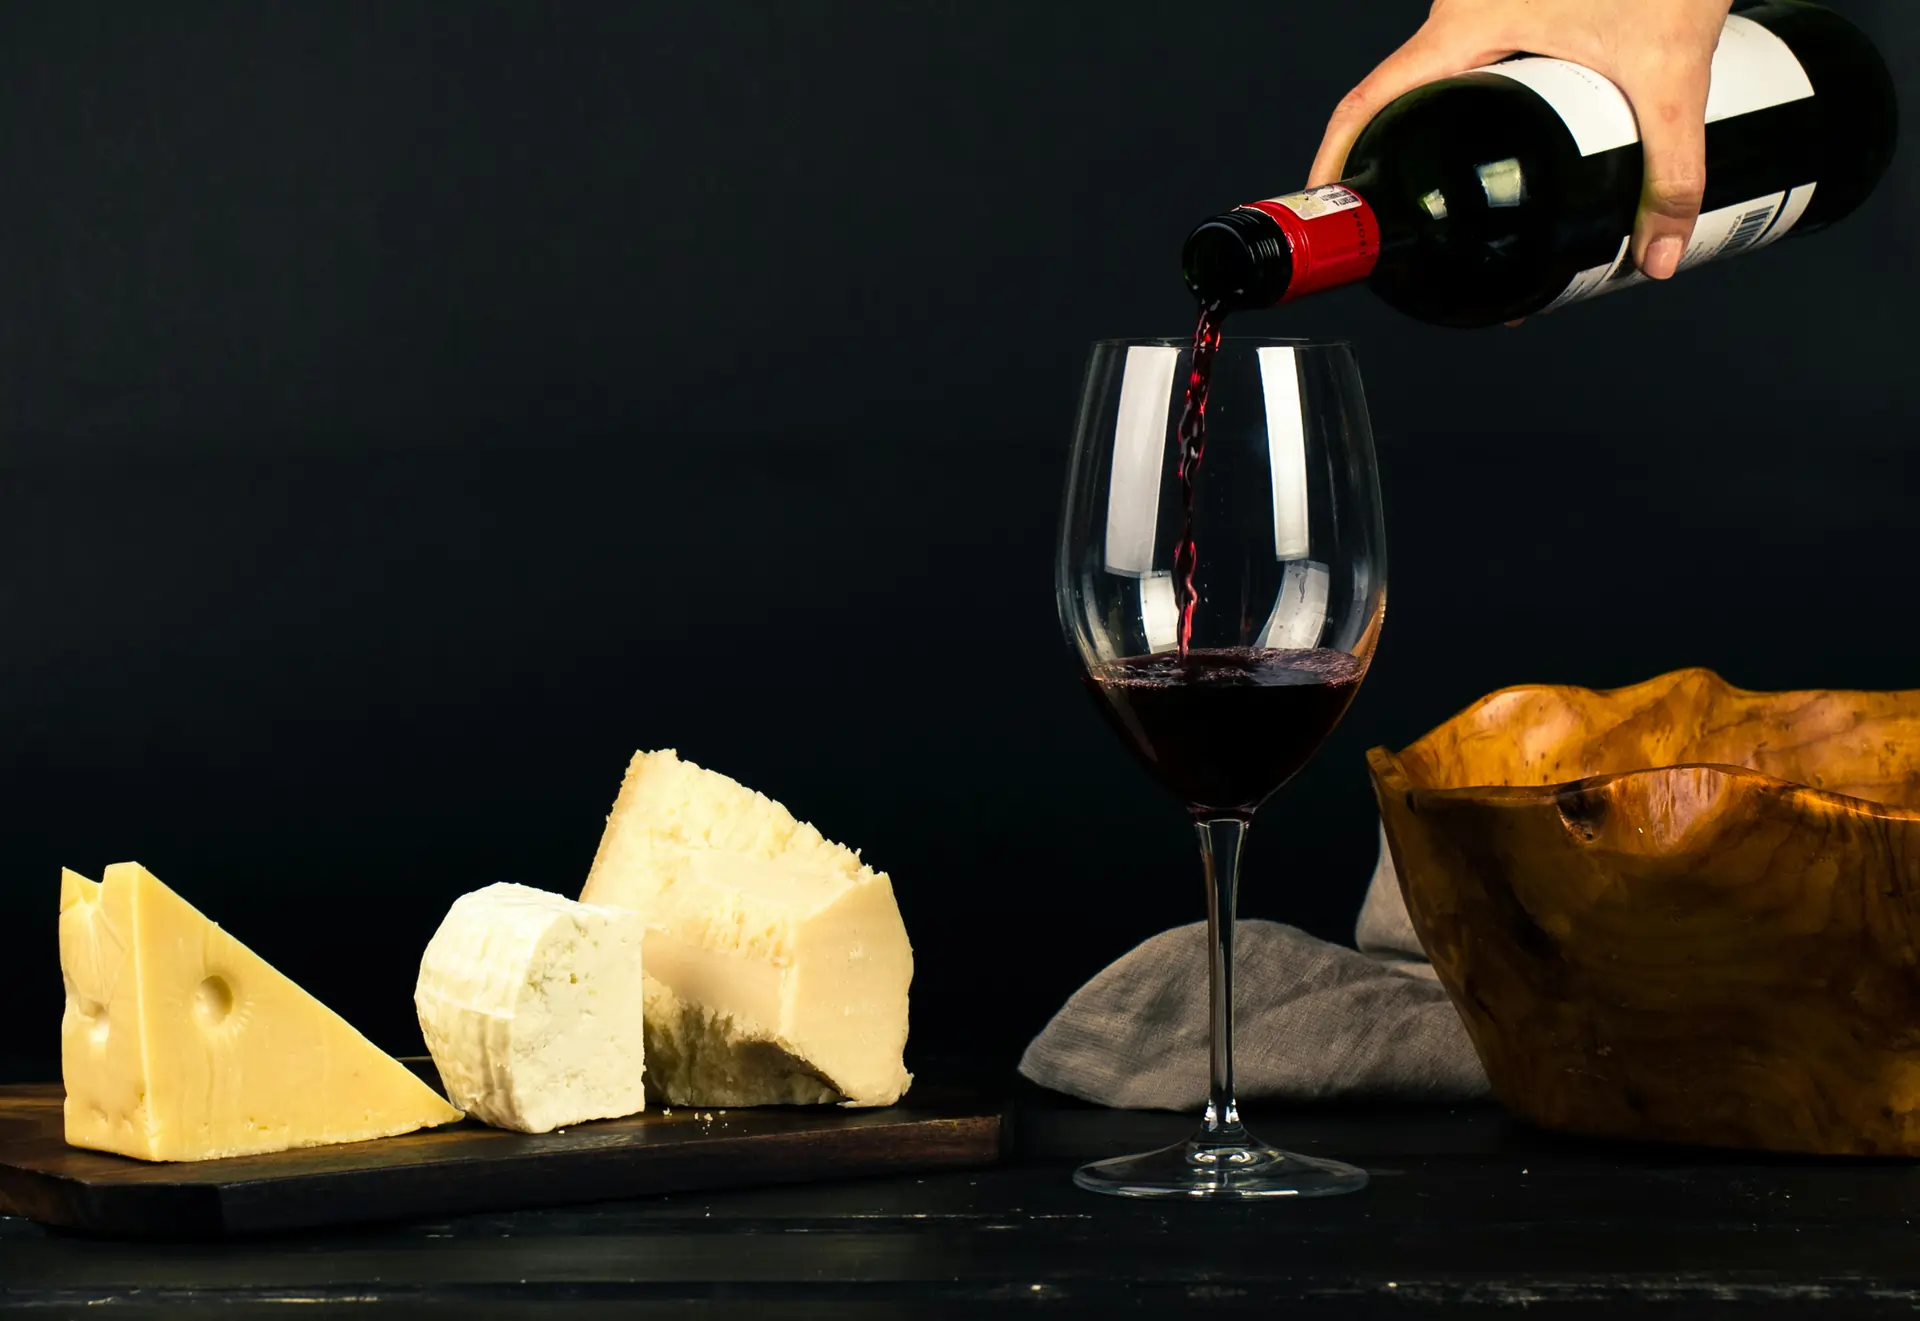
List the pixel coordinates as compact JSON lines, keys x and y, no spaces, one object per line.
{"x":1195,"y":1170}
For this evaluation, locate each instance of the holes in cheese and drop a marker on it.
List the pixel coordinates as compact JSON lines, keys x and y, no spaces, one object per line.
{"x":213,"y":1001}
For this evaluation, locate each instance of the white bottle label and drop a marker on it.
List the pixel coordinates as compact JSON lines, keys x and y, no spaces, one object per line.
{"x":1723,"y":233}
{"x":1752,"y":70}
{"x":1325,"y":200}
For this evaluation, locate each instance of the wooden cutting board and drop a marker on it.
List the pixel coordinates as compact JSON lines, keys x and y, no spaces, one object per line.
{"x":469,"y":1167}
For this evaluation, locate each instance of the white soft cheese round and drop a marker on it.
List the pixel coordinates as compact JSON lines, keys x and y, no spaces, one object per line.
{"x":532,"y":1007}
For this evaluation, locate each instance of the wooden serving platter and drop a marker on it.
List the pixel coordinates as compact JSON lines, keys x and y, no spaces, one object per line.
{"x":469,"y":1167}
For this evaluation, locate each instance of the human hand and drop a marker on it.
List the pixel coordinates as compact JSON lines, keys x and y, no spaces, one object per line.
{"x":1658,"y":52}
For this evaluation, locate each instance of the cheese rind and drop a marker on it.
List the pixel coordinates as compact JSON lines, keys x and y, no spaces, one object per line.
{"x":777,"y":962}
{"x":179,"y":1043}
{"x":697,"y":1055}
{"x":532,"y":1007}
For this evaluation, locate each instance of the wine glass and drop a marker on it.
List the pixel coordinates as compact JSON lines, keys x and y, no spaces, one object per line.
{"x":1226,"y":697}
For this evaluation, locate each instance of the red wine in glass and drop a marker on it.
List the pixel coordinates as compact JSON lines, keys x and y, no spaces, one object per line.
{"x":1223,"y":728}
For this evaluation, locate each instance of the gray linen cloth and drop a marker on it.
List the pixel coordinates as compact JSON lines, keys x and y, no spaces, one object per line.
{"x":1313,"y":1021}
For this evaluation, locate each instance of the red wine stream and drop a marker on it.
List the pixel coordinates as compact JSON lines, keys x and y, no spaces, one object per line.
{"x":1193,"y":447}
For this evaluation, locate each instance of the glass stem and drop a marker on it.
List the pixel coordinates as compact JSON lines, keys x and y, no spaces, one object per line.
{"x":1221,"y":839}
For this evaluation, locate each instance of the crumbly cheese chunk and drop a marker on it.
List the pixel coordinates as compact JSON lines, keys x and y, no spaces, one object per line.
{"x":531,"y":1005}
{"x":179,"y":1043}
{"x":777,"y":963}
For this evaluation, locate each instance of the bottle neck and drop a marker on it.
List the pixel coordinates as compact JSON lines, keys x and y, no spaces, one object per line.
{"x":1283,"y":248}
{"x":1332,"y":235}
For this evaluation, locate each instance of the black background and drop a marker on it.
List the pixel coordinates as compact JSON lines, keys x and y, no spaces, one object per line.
{"x":409,"y":409}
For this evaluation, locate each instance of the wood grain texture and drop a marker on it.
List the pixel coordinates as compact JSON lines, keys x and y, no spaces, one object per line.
{"x":1677,"y":911}
{"x":468,"y":1167}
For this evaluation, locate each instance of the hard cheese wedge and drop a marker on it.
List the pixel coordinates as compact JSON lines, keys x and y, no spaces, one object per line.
{"x":180,"y":1043}
{"x":531,"y":1006}
{"x":777,"y":964}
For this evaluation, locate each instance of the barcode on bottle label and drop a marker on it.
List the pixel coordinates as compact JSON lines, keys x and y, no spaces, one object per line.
{"x":1752,"y":70}
{"x":1725,"y":232}
{"x":1749,"y":229}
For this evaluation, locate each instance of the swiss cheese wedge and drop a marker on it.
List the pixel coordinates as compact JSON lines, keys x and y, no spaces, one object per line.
{"x":180,"y":1043}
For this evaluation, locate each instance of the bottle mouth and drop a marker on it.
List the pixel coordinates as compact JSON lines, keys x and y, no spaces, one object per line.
{"x":1239,"y":260}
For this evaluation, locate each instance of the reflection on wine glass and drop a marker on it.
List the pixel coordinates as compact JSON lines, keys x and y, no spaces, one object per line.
{"x":1289,"y":578}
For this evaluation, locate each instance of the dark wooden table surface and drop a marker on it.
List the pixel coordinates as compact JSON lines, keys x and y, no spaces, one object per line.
{"x":1468,"y":1212}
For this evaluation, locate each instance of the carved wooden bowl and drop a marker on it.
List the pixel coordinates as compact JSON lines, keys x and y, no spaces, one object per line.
{"x":1677,"y":911}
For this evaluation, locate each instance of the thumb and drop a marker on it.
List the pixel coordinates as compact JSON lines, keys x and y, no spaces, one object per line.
{"x":1425,"y":57}
{"x":1672,"y":111}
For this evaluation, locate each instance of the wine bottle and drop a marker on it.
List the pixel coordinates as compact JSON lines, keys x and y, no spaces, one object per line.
{"x":1512,"y":189}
